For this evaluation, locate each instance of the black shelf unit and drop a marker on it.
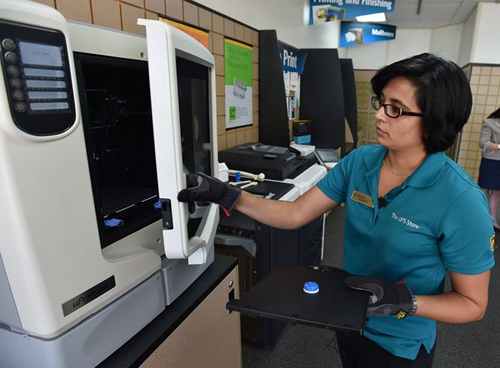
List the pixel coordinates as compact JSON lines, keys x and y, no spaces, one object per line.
{"x":322,"y":97}
{"x":350,"y":102}
{"x":273,"y":117}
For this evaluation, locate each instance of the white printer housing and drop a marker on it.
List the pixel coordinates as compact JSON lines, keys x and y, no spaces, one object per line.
{"x":66,"y":295}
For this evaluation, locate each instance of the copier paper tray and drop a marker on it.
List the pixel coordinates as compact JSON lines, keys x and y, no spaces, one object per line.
{"x":280,"y":296}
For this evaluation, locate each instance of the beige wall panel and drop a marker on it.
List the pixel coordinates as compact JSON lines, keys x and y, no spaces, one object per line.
{"x":107,"y":13}
{"x":256,"y":71}
{"x":255,"y":87}
{"x":221,"y":142}
{"x":221,"y":107}
{"x":239,"y":32}
{"x":190,"y":13}
{"x":219,"y":85}
{"x":130,"y":14}
{"x":174,"y":9}
{"x":255,"y":38}
{"x":151,"y":15}
{"x":219,"y":65}
{"x":255,"y":54}
{"x":158,"y":6}
{"x":254,"y":135}
{"x":217,"y":23}
{"x":221,"y":124}
{"x":211,"y":42}
{"x":231,"y":139}
{"x":247,"y":35}
{"x":228,"y":28}
{"x":205,"y":18}
{"x":75,"y":9}
{"x":218,"y":45}
{"x":139,"y":3}
{"x":46,"y":2}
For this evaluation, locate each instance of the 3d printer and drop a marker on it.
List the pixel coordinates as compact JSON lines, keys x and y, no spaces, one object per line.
{"x":95,"y":141}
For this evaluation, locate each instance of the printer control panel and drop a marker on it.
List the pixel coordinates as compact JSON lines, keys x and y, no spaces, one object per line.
{"x":37,"y":78}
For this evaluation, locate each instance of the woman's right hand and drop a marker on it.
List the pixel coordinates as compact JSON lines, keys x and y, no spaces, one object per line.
{"x":205,"y":188}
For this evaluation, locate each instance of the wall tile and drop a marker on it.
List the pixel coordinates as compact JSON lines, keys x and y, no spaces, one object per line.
{"x":239,"y":32}
{"x":219,"y":82}
{"x":221,"y":124}
{"x":230,"y":139}
{"x":219,"y":65}
{"x":151,"y":15}
{"x":255,"y":71}
{"x":174,"y":9}
{"x":157,"y":6}
{"x":218,"y":43}
{"x":46,"y":2}
{"x":190,"y":13}
{"x":247,"y":35}
{"x":205,"y":18}
{"x":138,"y":3}
{"x":221,"y":142}
{"x":217,"y":23}
{"x":75,"y":9}
{"x":130,"y":14}
{"x":255,"y":54}
{"x":228,"y":28}
{"x":107,"y":13}
{"x":221,"y":107}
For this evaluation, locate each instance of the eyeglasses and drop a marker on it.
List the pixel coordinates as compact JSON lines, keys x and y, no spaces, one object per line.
{"x":392,"y":111}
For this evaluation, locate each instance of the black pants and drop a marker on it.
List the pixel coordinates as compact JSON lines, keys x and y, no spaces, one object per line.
{"x":357,"y":351}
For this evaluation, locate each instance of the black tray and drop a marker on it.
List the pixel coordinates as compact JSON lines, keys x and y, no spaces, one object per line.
{"x":280,"y":296}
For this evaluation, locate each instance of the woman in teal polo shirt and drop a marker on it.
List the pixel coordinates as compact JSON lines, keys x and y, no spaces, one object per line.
{"x":413,"y":216}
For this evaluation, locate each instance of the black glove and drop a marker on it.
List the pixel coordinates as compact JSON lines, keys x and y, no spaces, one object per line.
{"x":386,"y":298}
{"x":204,"y":188}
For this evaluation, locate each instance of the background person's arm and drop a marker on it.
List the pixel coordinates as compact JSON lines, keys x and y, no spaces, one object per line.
{"x":285,"y":215}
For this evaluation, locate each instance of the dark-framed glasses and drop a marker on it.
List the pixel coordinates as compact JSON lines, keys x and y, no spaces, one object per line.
{"x":392,"y":111}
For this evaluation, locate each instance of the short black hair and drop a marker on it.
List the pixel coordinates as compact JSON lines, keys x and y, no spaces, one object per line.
{"x":443,"y":95}
{"x":495,"y":114}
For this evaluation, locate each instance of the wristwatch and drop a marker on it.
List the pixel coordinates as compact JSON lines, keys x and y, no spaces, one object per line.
{"x":410,"y":311}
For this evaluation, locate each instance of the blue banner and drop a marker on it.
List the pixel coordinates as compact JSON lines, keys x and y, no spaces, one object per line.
{"x":361,"y":33}
{"x":329,"y":10}
{"x":292,"y":59}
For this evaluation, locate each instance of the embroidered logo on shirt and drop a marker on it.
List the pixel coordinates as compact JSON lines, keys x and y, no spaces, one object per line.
{"x":362,"y":198}
{"x":404,"y":221}
{"x":493,"y":244}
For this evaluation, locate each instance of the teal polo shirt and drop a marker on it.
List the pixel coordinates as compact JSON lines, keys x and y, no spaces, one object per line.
{"x":436,"y":221}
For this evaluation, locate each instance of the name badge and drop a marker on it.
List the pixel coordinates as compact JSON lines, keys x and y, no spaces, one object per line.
{"x":362,"y":198}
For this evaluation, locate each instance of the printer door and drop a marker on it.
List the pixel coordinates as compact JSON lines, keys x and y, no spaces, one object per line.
{"x":180,"y":97}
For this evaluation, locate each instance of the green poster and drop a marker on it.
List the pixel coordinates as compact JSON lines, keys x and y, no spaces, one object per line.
{"x":238,"y":76}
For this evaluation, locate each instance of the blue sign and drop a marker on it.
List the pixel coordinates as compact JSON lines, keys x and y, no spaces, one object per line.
{"x":360,"y":33}
{"x":292,"y":59}
{"x":329,"y":10}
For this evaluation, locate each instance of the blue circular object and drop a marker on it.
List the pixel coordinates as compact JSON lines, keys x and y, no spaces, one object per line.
{"x":311,"y":287}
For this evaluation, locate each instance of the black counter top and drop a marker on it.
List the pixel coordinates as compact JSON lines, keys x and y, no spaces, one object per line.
{"x":133,"y":353}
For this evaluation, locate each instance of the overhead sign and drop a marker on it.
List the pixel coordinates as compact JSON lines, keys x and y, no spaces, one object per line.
{"x":361,"y":33}
{"x":329,"y":10}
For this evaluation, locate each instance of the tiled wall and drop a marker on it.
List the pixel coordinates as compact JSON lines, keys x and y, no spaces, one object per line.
{"x":366,"y":114}
{"x":485,"y":85}
{"x":123,"y":14}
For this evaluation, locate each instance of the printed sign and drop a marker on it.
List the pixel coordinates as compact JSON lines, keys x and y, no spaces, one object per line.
{"x":357,"y":33}
{"x":238,"y":76}
{"x":292,"y":61}
{"x":321,"y":11}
